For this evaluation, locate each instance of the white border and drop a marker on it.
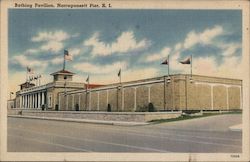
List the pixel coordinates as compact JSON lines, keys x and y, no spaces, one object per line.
{"x":122,"y":4}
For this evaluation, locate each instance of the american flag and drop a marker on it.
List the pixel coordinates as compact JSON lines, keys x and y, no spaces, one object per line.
{"x":67,"y":56}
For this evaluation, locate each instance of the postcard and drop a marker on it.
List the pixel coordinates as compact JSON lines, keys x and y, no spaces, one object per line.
{"x":124,"y":80}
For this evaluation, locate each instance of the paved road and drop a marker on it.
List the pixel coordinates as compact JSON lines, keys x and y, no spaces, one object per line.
{"x":210,"y":134}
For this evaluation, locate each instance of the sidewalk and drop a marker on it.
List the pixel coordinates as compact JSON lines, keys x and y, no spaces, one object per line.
{"x":236,"y":127}
{"x":121,"y":123}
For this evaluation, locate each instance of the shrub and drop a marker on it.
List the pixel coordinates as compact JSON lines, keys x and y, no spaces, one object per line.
{"x":142,"y":108}
{"x":43,"y":107}
{"x":109,"y":108}
{"x":57,"y":107}
{"x":77,"y":107}
{"x":151,"y":107}
{"x":20,"y":112}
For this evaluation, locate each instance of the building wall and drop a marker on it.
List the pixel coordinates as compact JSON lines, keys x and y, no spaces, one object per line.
{"x":204,"y":93}
{"x":209,"y":93}
{"x":129,"y":99}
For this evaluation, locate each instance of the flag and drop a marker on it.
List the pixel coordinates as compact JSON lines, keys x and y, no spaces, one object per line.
{"x":30,"y":70}
{"x":67,"y":56}
{"x":119,"y":73}
{"x":87,"y":80}
{"x":31,"y":78}
{"x":187,"y":61}
{"x":165,"y":62}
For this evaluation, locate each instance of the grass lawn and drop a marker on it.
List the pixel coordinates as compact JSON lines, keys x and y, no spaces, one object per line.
{"x":189,"y":116}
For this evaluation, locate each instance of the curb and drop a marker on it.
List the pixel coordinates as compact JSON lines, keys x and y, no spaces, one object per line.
{"x":237,"y":128}
{"x":120,"y":123}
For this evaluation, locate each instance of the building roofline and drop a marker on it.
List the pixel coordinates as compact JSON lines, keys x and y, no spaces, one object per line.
{"x":63,"y":72}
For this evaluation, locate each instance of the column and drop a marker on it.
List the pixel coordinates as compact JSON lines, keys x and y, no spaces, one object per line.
{"x":227,"y":98}
{"x":73,"y":101}
{"x":122,"y":99}
{"x":98,"y":94}
{"x":42,"y":98}
{"x":149,"y":94}
{"x":33,"y":100}
{"x":212,"y":97}
{"x":35,"y":97}
{"x":22,"y":101}
{"x":29,"y":100}
{"x":39,"y":100}
{"x":67,"y":103}
{"x":241,"y":98}
{"x":79,"y":101}
{"x":89,"y":100}
{"x":26,"y":101}
{"x":135,"y":98}
{"x":107,"y":97}
{"x":59,"y":101}
{"x":32,"y":104}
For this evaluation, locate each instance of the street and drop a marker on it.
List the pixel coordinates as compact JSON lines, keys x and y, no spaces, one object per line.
{"x":201,"y":135}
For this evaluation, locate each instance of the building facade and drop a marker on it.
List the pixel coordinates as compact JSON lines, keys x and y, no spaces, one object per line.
{"x":166,"y":93}
{"x":36,"y":97}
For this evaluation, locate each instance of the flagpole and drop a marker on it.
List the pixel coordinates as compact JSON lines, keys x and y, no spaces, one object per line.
{"x":26,"y":75}
{"x":191,"y":66}
{"x":63,"y":61}
{"x":168,"y":65}
{"x":88,"y":81}
{"x":121,"y":77}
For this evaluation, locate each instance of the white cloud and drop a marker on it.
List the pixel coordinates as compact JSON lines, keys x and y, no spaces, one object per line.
{"x":100,"y":69}
{"x":158,"y":56}
{"x":57,"y":60}
{"x":126,"y":42}
{"x":51,"y":36}
{"x":53,"y":46}
{"x":32,"y":51}
{"x":74,"y":51}
{"x":178,"y":46}
{"x":229,"y":49}
{"x":204,"y":37}
{"x":24,"y":62}
{"x":51,"y":41}
{"x":230,"y":68}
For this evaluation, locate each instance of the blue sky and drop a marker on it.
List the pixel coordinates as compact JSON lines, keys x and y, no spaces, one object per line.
{"x":103,"y":41}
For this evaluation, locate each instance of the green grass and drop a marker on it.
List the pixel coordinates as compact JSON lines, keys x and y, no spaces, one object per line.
{"x":187,"y":117}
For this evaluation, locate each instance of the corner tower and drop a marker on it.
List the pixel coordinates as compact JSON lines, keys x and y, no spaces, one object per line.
{"x":62,"y":75}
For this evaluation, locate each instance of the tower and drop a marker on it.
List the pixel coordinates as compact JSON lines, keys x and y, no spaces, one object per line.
{"x":62,"y":75}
